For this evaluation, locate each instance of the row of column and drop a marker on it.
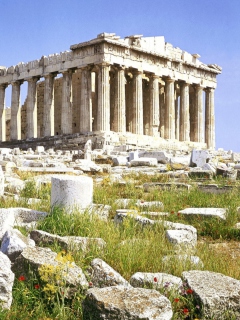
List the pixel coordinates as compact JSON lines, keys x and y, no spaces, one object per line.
{"x":176,"y":120}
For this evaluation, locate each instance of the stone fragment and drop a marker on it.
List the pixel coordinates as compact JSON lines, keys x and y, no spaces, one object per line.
{"x":180,"y":163}
{"x":199,"y":157}
{"x":120,"y":161}
{"x":151,"y":162}
{"x":13,"y":243}
{"x":122,"y":214}
{"x":214,"y":188}
{"x":34,"y":257}
{"x":7,"y":220}
{"x":155,"y":280}
{"x":209,"y":167}
{"x":199,"y":173}
{"x":119,"y":302}
{"x":182,"y":239}
{"x":150,"y":204}
{"x":187,"y":261}
{"x":68,"y":242}
{"x":1,"y":182}
{"x":102,"y":275}
{"x":133,"y":155}
{"x":165,"y":186}
{"x":72,"y":192}
{"x":216,"y":293}
{"x":6,"y":282}
{"x":206,"y":212}
{"x":161,"y":156}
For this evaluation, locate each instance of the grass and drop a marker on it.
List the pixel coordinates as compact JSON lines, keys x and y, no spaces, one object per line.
{"x":129,"y":247}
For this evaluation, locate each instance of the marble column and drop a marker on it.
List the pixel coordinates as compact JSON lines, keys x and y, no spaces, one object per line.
{"x":2,"y":112}
{"x":120,"y":101}
{"x":86,"y":101}
{"x":32,"y":108}
{"x":66,"y":116}
{"x":154,"y":106}
{"x":103,"y":115}
{"x":198,"y":114}
{"x":48,"y":108}
{"x":184,"y":134}
{"x":169,"y":130}
{"x":209,"y":118}
{"x":137,"y":107}
{"x":16,"y":111}
{"x":176,"y":115}
{"x":162,"y":111}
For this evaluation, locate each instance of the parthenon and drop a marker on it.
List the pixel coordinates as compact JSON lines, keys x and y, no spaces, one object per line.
{"x":141,"y":85}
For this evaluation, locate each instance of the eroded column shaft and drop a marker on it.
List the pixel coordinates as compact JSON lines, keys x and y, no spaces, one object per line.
{"x":120,"y":101}
{"x":154,"y":106}
{"x":66,"y":116}
{"x":15,"y":112}
{"x":103,"y":117}
{"x":184,"y":134}
{"x":209,"y":118}
{"x":32,"y":109}
{"x":48,"y":109}
{"x":137,"y":107}
{"x":86,"y":101}
{"x":198,"y":115}
{"x":169,"y":130}
{"x":2,"y":113}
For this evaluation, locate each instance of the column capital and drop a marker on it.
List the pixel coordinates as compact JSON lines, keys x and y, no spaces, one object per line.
{"x":152,"y":76}
{"x":17,"y":82}
{"x":118,"y":67}
{"x":136,"y":71}
{"x":33,"y":79}
{"x":51,"y":75}
{"x":169,"y":80}
{"x":4,"y":85}
{"x":184,"y":83}
{"x":209,"y":89}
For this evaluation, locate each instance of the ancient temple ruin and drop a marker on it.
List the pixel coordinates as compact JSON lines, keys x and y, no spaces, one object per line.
{"x":141,"y":85}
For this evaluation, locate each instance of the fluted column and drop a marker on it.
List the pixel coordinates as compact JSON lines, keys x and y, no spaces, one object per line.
{"x":162,"y":111}
{"x":184,"y":134}
{"x":32,"y":108}
{"x":209,"y":118}
{"x":176,"y":116}
{"x":120,"y":101}
{"x":154,"y":106}
{"x":86,"y":101}
{"x":48,"y":109}
{"x":137,"y":107}
{"x":169,"y":131}
{"x":198,"y":114}
{"x":16,"y":111}
{"x":2,"y":113}
{"x":66,"y":116}
{"x":103,"y":118}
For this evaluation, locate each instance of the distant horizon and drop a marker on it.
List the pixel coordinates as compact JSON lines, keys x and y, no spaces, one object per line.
{"x":210,"y":29}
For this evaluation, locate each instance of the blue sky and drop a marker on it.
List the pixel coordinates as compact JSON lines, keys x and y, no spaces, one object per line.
{"x":211,"y":28}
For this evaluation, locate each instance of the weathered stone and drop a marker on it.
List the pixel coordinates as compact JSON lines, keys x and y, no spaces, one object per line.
{"x":158,"y":205}
{"x":7,"y":220}
{"x":206,"y":212}
{"x":122,"y":214}
{"x":6,"y":282}
{"x":102,"y":275}
{"x":72,"y":192}
{"x":155,"y":281}
{"x":165,"y":186}
{"x":185,"y":260}
{"x":182,"y":239}
{"x":120,"y":161}
{"x":68,"y":243}
{"x":180,"y":163}
{"x":126,"y":303}
{"x":34,"y":257}
{"x":199,"y":157}
{"x":216,"y":293}
{"x":151,"y":162}
{"x":161,"y":156}
{"x":13,"y":243}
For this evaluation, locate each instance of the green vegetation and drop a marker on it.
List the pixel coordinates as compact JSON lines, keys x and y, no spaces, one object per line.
{"x":130,"y":247}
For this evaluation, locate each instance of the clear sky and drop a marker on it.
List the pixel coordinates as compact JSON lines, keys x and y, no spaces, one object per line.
{"x":211,"y":28}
